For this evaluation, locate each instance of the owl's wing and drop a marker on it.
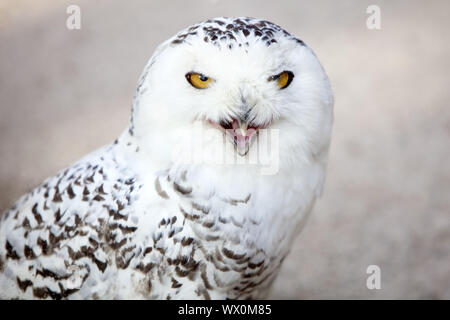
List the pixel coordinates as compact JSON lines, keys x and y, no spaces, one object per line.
{"x":59,"y":234}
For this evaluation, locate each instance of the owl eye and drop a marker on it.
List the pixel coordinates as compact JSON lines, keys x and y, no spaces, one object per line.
{"x":283,"y":79}
{"x":198,"y":80}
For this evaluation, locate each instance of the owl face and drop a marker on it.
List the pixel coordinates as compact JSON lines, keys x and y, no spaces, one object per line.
{"x":237,"y":77}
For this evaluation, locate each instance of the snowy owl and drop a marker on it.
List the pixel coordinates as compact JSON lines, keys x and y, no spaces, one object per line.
{"x":144,"y":218}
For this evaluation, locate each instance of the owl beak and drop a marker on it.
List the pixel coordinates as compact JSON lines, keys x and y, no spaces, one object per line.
{"x":240,"y":133}
{"x":243,"y":136}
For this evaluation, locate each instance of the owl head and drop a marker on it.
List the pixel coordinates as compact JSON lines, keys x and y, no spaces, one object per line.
{"x":237,"y":78}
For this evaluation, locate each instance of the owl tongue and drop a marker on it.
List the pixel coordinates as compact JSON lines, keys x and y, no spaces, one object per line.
{"x":242,"y":135}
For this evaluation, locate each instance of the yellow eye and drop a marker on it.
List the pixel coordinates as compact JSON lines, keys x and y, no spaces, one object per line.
{"x":283,"y":79}
{"x":198,"y":80}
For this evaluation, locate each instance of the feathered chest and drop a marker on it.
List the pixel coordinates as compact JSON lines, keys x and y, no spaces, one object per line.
{"x":99,"y":231}
{"x":214,"y":243}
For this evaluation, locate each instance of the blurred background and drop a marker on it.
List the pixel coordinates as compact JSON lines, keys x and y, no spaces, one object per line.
{"x":387,"y":195}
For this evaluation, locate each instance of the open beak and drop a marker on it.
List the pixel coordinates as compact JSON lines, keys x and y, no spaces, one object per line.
{"x":242,"y":135}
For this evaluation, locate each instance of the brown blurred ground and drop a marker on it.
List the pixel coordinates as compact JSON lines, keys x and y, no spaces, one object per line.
{"x":387,"y":195}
